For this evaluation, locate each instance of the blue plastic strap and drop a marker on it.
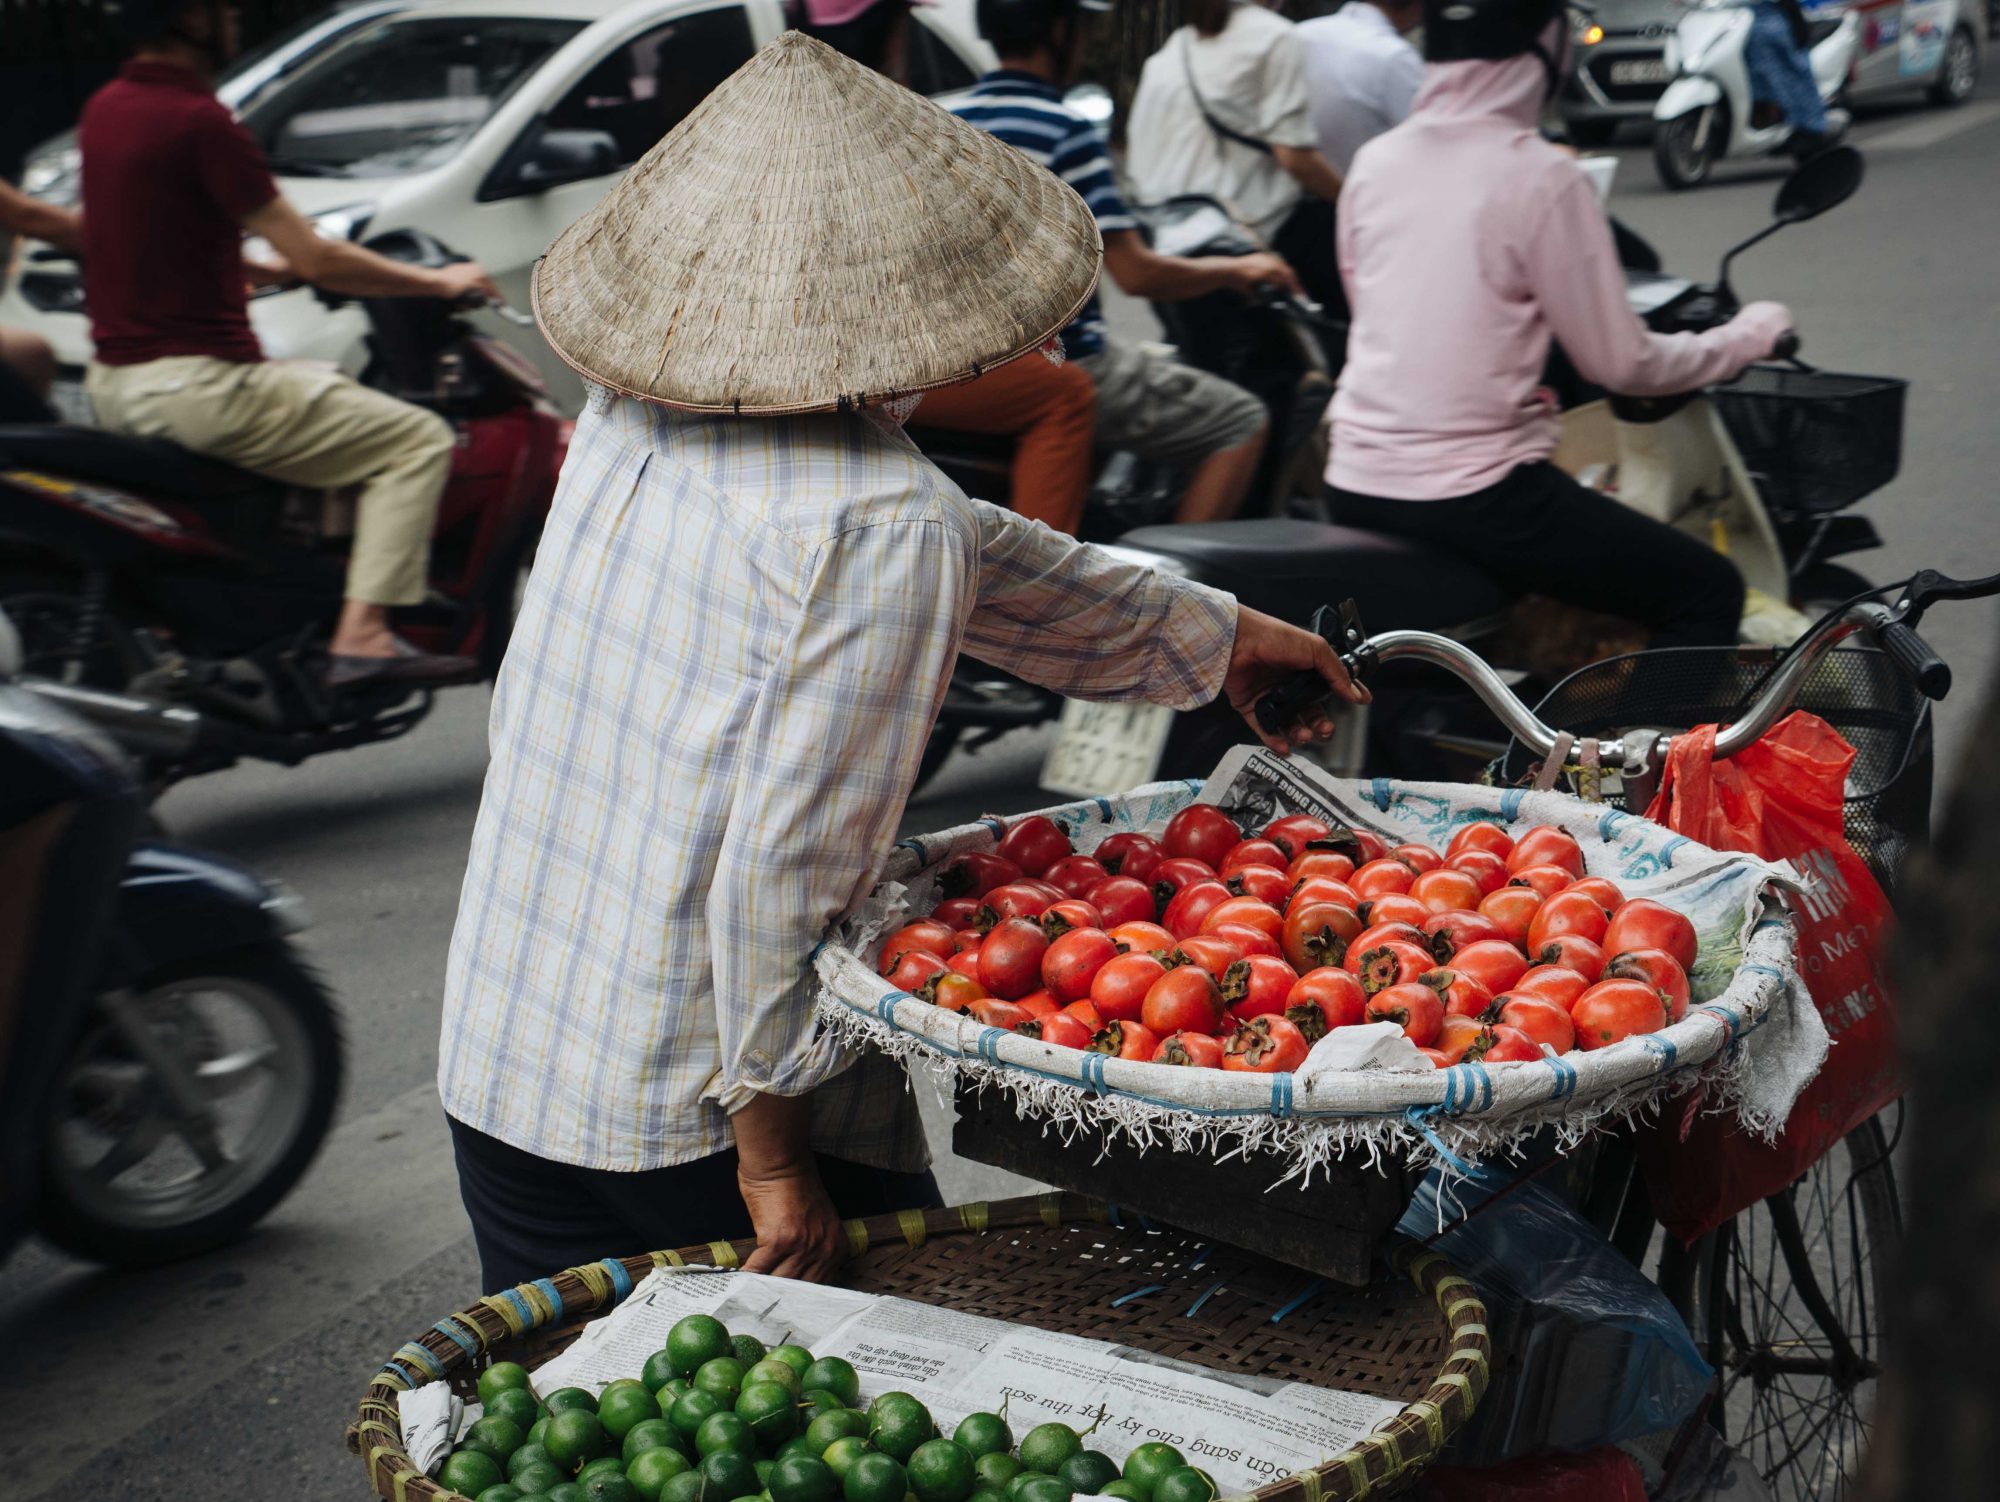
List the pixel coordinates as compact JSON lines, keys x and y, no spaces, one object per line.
{"x":548,"y":1291}
{"x":1093,"y":1070}
{"x":1281,"y":1095}
{"x":993,"y":823}
{"x":915,"y":847}
{"x":1612,"y":819}
{"x":1195,"y":1307}
{"x":1138,"y":1293}
{"x":1566,"y":1078}
{"x":886,"y":1007}
{"x":1419,"y":1117}
{"x":521,"y":1307}
{"x":465,"y":1342}
{"x":1667,"y":851}
{"x":621,"y":1280}
{"x":1510,"y":803}
{"x":1291,"y":1305}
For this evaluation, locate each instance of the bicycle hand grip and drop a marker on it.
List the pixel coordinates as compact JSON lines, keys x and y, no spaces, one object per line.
{"x":1910,"y":652}
{"x":1787,"y":347}
{"x":1286,"y":705}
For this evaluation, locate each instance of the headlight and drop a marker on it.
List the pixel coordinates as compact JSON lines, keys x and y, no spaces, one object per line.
{"x":55,"y":176}
{"x":345,"y":223}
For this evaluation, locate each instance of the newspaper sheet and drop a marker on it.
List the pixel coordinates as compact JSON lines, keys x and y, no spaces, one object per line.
{"x":1245,"y":1431}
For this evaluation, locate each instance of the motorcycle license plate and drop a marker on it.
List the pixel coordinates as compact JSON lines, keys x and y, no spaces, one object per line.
{"x":1641,"y":70}
{"x":1106,"y":748}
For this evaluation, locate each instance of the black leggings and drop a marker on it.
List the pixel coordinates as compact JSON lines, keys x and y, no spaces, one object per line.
{"x":532,"y":1217}
{"x":1539,"y":530}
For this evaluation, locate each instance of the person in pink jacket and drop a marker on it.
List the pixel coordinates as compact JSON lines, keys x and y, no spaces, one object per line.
{"x":1466,"y":242}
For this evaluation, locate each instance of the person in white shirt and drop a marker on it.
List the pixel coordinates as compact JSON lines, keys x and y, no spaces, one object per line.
{"x":1222,"y":109}
{"x":1361,"y":73}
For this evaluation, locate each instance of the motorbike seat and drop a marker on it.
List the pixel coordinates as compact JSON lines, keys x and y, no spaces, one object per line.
{"x":1287,"y":568}
{"x":1819,"y":28}
{"x":147,"y":465}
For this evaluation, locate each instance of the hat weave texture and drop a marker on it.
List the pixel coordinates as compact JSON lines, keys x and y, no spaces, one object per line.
{"x":813,"y":237}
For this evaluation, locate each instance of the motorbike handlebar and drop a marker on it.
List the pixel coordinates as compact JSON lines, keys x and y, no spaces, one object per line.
{"x":1928,"y":672}
{"x":1787,"y":347}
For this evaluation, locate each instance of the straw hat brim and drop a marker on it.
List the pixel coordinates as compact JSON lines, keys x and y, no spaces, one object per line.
{"x":813,"y":237}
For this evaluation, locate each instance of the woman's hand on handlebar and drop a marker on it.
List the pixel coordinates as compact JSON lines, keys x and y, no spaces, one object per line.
{"x":467,"y":281}
{"x":1765,"y":324}
{"x":1267,"y":653}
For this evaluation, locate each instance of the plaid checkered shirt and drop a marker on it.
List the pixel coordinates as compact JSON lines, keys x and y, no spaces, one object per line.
{"x":736,"y":637}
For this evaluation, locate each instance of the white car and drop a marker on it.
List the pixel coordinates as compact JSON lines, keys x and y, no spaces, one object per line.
{"x":489,"y":124}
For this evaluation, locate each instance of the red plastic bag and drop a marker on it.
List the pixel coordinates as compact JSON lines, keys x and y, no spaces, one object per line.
{"x":1781,"y":799}
{"x":1607,"y":1475}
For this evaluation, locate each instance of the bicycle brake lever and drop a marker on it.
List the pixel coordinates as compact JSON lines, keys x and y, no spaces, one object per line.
{"x":1285,"y":706}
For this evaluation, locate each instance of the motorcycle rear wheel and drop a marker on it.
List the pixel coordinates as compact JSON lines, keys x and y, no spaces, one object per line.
{"x":129,"y":1180}
{"x":1679,"y":160}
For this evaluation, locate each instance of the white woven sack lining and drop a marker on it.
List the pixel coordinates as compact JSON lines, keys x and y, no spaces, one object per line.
{"x":1746,"y":980}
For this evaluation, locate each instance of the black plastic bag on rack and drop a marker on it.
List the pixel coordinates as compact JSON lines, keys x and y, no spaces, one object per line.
{"x":1587,"y":1350}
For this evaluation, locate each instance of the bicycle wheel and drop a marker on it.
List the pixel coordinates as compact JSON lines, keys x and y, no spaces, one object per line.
{"x":1791,"y":1301}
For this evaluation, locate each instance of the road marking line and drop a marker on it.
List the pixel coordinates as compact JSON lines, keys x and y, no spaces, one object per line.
{"x":1932,"y":131}
{"x":382,"y":1198}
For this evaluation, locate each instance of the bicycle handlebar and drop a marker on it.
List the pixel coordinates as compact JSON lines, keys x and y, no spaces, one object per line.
{"x":1892,"y":627}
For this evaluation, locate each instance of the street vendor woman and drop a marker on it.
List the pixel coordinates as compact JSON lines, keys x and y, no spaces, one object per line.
{"x":743,"y":616}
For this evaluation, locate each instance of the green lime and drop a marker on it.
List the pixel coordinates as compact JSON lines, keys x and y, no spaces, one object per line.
{"x":623,"y":1405}
{"x":1046,"y":1446}
{"x":1088,"y":1472}
{"x":1185,"y":1485}
{"x":690,"y":1408}
{"x":529,"y":1454}
{"x":515,"y":1403}
{"x":689,"y":1486}
{"x":825,"y":1428}
{"x":1036,"y":1487}
{"x":569,"y":1399}
{"x":1125,"y":1491}
{"x":470,"y":1472}
{"x":722,"y":1376}
{"x":652,"y":1469}
{"x":798,"y":1444}
{"x":875,"y":1478}
{"x":506,"y":1491}
{"x":573,"y":1439}
{"x":1021,"y":1479}
{"x":798,"y":1358}
{"x":831,"y":1374}
{"x":779,"y":1372}
{"x":941,"y":1472}
{"x":898,"y":1423}
{"x":983,"y":1434}
{"x":983,"y":1493}
{"x":672,"y":1390}
{"x":764,"y":1469}
{"x":747,"y":1349}
{"x":693,"y":1341}
{"x":497,"y":1437}
{"x":568,"y":1491}
{"x":502,"y":1376}
{"x":537,"y":1429}
{"x":818,"y":1400}
{"x":652,"y":1434}
{"x":600,"y":1466}
{"x":729,"y":1474}
{"x":995,"y":1468}
{"x":771,"y":1412}
{"x":1149,"y":1462}
{"x":724,"y":1431}
{"x":842,"y":1453}
{"x":610,"y":1486}
{"x":802,"y":1478}
{"x":535,"y":1480}
{"x":658,"y":1371}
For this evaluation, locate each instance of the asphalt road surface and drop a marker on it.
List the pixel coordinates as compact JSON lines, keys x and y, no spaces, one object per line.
{"x":240,"y":1370}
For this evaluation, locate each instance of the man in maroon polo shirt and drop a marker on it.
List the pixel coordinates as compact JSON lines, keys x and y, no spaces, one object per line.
{"x":170,"y":185}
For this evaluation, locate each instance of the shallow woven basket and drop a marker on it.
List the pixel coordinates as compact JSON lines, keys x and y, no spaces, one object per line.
{"x":1057,"y":1262}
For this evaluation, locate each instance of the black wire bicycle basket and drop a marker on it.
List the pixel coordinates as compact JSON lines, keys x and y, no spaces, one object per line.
{"x":1815,"y":440}
{"x":1856,"y":689}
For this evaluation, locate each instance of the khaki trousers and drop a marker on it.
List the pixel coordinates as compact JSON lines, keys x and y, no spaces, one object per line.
{"x":301,"y":426}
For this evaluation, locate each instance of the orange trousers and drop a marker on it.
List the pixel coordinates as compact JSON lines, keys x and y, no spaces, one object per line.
{"x":1051,"y":411}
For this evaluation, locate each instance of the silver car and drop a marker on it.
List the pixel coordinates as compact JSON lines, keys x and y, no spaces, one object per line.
{"x":1621,"y":67}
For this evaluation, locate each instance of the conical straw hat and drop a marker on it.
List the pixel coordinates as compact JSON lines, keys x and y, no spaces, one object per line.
{"x":812,"y":237}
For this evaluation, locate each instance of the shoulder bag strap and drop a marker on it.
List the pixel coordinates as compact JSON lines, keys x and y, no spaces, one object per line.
{"x":1226,"y":132}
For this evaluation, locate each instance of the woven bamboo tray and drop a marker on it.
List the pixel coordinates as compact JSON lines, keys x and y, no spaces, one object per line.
{"x":1057,"y":1262}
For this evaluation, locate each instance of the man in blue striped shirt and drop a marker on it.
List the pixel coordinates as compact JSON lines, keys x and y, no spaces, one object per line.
{"x":1207,"y":427}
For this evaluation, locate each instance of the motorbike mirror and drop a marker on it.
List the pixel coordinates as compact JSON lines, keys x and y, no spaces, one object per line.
{"x":1820,"y":183}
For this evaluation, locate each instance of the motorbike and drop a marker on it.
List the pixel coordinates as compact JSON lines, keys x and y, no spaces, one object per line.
{"x":1772,"y":460}
{"x":169,"y":1063}
{"x":1708,"y":111}
{"x":132,"y":565}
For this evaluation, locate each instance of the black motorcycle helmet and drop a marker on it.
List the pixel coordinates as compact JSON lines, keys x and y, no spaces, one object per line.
{"x":138,"y":21}
{"x":1018,"y":26}
{"x":1457,"y":31}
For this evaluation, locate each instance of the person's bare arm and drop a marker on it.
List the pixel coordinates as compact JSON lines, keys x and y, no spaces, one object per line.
{"x":798,"y":1230}
{"x":342,"y":266}
{"x":1310,"y":170}
{"x":1141,"y":271}
{"x":35,"y":220}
